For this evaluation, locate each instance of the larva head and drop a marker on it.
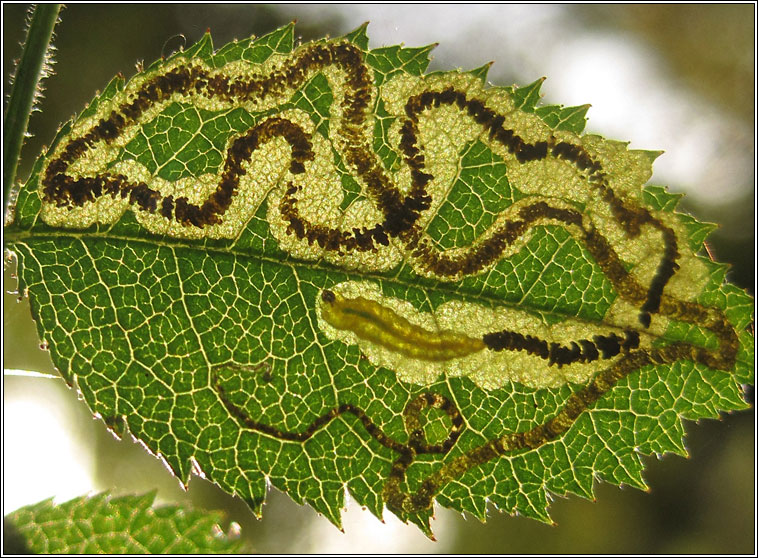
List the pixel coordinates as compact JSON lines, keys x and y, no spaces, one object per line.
{"x":332,"y":310}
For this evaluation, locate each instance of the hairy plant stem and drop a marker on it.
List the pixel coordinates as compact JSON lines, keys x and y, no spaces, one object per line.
{"x":28,"y":75}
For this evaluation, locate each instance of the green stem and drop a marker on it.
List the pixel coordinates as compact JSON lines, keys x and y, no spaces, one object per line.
{"x":28,"y":74}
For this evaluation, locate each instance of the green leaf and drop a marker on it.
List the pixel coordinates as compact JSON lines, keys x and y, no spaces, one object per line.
{"x":322,"y":269}
{"x":103,"y":524}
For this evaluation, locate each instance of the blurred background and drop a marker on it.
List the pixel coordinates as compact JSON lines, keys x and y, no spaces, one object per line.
{"x":678,"y":78}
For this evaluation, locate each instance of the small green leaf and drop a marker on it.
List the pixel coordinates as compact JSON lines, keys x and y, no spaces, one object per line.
{"x":319,"y":268}
{"x":103,"y":524}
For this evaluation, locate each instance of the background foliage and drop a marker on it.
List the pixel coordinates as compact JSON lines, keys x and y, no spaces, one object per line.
{"x":102,"y":524}
{"x":701,"y":505}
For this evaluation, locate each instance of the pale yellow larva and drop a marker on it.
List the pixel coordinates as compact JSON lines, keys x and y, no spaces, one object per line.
{"x":378,"y":324}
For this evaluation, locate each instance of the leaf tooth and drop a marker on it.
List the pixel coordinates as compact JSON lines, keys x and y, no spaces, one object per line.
{"x":696,"y":231}
{"x":717,"y":272}
{"x":422,"y":520}
{"x":739,"y":306}
{"x":468,"y":502}
{"x":558,"y":117}
{"x":574,"y":119}
{"x":569,"y":473}
{"x":366,"y":496}
{"x":359,"y":36}
{"x":180,"y":467}
{"x":329,"y":504}
{"x":478,"y":508}
{"x":283,"y":38}
{"x":481,"y":71}
{"x":534,"y":509}
{"x":631,"y":464}
{"x":651,"y":154}
{"x":114,"y":86}
{"x":421,"y":53}
{"x":583,"y":484}
{"x":659,"y":198}
{"x":145,"y":500}
{"x":116,"y":425}
{"x":201,"y":49}
{"x":526,"y":97}
{"x":253,"y":493}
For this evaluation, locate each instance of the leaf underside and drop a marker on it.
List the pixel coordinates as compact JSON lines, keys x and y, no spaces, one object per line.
{"x":321,"y":268}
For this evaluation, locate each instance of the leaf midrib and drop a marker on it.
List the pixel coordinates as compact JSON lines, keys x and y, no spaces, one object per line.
{"x":13,"y":235}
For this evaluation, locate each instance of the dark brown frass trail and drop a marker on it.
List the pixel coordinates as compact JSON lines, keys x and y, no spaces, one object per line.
{"x":400,"y":212}
{"x":583,"y":350}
